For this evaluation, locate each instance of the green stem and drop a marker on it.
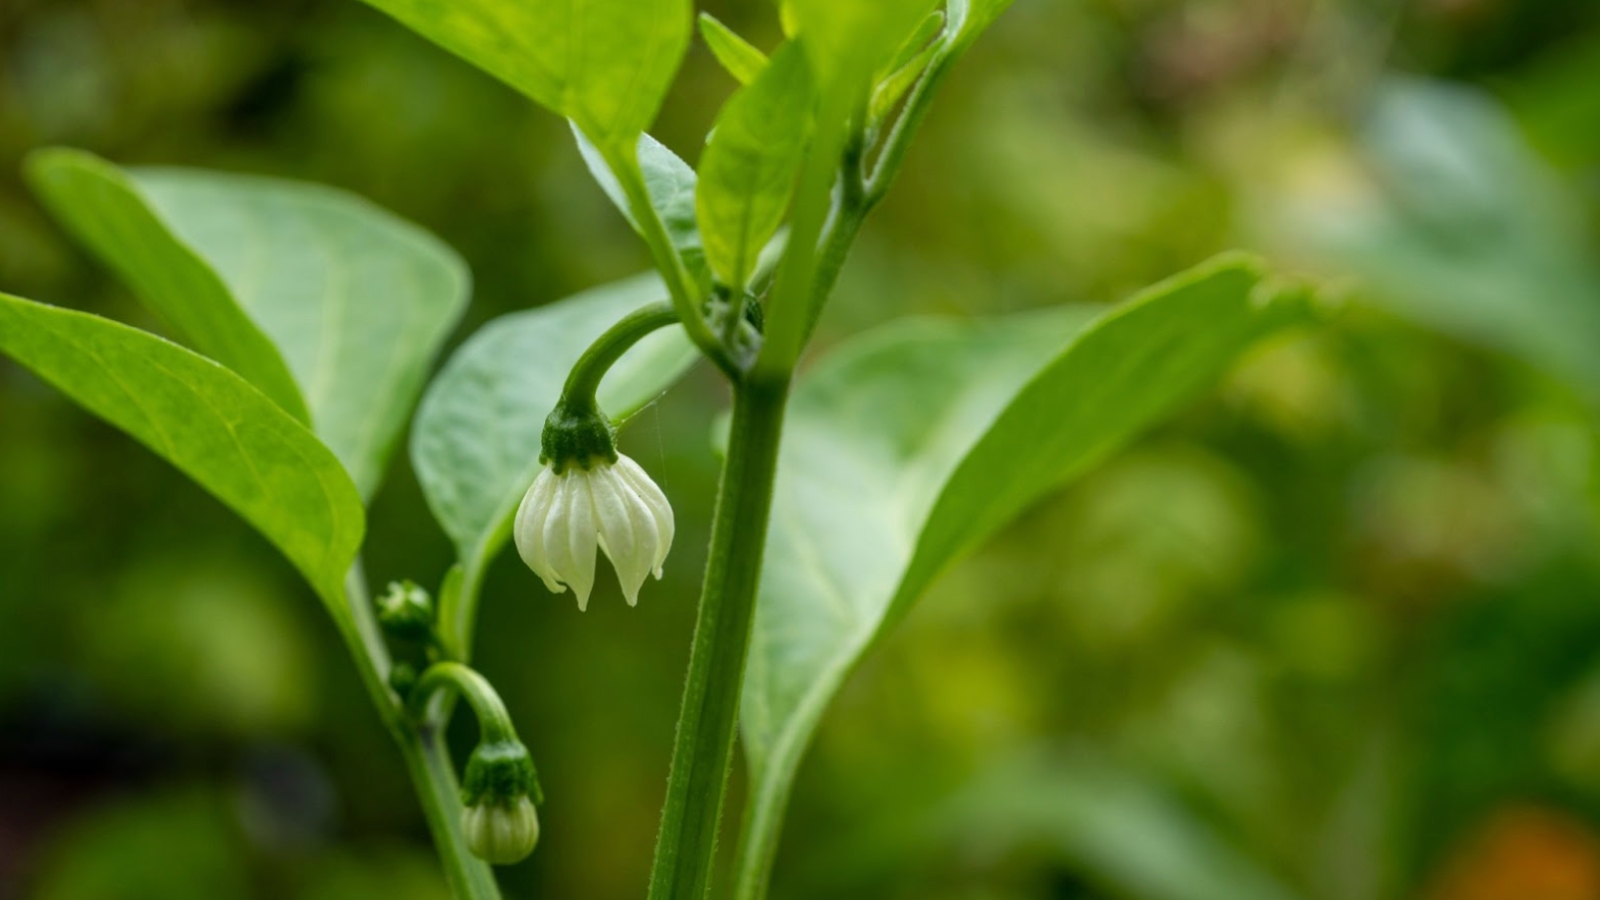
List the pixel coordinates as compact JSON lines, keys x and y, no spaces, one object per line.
{"x":592,"y":366}
{"x":624,"y":164}
{"x":702,"y":752}
{"x":427,"y":759}
{"x":494,"y":721}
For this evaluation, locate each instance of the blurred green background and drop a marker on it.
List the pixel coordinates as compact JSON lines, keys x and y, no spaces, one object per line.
{"x":1333,"y":633}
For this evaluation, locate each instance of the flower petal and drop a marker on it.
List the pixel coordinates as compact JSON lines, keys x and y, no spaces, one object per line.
{"x":656,"y":502}
{"x":575,"y":560}
{"x":627,"y":533}
{"x":532,"y":514}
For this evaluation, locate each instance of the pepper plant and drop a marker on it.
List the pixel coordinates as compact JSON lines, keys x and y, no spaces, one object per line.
{"x":308,"y":323}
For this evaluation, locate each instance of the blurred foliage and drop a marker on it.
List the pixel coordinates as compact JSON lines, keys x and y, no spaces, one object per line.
{"x":1331,"y":634}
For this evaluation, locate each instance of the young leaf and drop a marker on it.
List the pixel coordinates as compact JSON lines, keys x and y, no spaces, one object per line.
{"x":908,"y":447}
{"x":358,"y":300}
{"x":475,"y":444}
{"x":605,"y":64}
{"x":104,"y":209}
{"x":671,"y":184}
{"x":748,"y":172}
{"x":210,"y":423}
{"x":849,"y":40}
{"x":742,"y":60}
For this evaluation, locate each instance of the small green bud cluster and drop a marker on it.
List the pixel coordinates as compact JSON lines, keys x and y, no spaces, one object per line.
{"x":406,"y":611}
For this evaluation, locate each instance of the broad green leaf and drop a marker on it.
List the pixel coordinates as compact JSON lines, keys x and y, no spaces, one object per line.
{"x":355,"y":300}
{"x":475,"y":444}
{"x":911,"y":445}
{"x":358,"y":300}
{"x":742,"y":60}
{"x":671,"y":184}
{"x":747,"y":174}
{"x":849,"y":40}
{"x":210,"y":423}
{"x":1117,"y":829}
{"x":105,"y":210}
{"x":1471,"y":232}
{"x":605,"y":64}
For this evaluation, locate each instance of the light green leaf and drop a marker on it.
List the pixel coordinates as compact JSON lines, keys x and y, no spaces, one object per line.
{"x":605,"y":64}
{"x":742,"y":60}
{"x":972,"y":17}
{"x":747,"y":175}
{"x":911,"y":445}
{"x":355,"y":300}
{"x":358,"y":300}
{"x":1472,"y":233}
{"x":849,"y":40}
{"x":671,"y":184}
{"x":207,"y":421}
{"x":98,"y":203}
{"x":475,"y":444}
{"x":1117,"y":829}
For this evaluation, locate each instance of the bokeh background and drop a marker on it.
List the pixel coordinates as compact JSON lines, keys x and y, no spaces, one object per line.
{"x":1332,"y":633}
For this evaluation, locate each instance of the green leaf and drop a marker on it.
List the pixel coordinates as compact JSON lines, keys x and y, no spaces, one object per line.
{"x":1118,"y":829}
{"x":207,"y":421}
{"x":605,"y":64}
{"x":102,"y":208}
{"x":849,"y":40}
{"x":1472,"y":233}
{"x":741,"y":58}
{"x":475,"y":444}
{"x":355,"y":300}
{"x":972,"y":17}
{"x":909,"y":446}
{"x":747,"y":175}
{"x":358,"y":300}
{"x":671,"y":184}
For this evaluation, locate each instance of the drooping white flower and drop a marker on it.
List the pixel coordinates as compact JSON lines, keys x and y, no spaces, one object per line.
{"x":613,"y":506}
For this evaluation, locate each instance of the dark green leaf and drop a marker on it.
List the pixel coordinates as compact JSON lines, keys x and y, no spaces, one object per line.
{"x":207,"y":421}
{"x":747,"y":175}
{"x":911,"y":445}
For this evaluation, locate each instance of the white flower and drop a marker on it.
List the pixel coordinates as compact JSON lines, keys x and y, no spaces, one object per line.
{"x":614,"y":506}
{"x":501,"y":833}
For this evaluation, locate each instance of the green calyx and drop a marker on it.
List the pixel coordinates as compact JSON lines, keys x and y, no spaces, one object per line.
{"x":500,"y":773}
{"x":577,"y":434}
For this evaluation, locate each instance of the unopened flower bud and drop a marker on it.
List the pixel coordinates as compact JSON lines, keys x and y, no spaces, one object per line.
{"x":406,"y":610}
{"x":501,"y":834}
{"x":498,"y":791}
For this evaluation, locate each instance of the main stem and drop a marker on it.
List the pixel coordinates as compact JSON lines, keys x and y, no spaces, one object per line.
{"x":702,"y":752}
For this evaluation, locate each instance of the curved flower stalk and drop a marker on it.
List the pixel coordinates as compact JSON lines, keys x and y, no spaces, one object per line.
{"x":570,"y":510}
